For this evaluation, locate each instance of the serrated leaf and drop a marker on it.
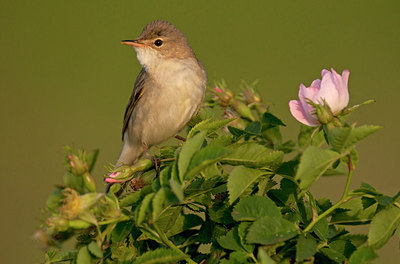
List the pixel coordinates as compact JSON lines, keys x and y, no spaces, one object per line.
{"x":305,"y":247}
{"x":383,"y":225}
{"x":159,"y":256}
{"x":242,"y":232}
{"x":254,"y":155}
{"x":363,"y":255}
{"x":345,"y":137}
{"x":321,"y":229}
{"x":190,"y":147}
{"x":254,"y":207}
{"x":342,"y":246}
{"x":158,"y":202}
{"x":313,"y":163}
{"x":95,"y":249}
{"x":203,"y":158}
{"x":263,"y":257}
{"x":353,"y":213}
{"x":269,"y":120}
{"x":356,"y":239}
{"x":209,"y":126}
{"x":237,"y":257}
{"x":254,"y":127}
{"x":333,"y":254}
{"x":121,"y":231}
{"x":59,"y":256}
{"x":220,"y":213}
{"x":83,"y":256}
{"x":176,"y":188}
{"x":270,"y":230}
{"x":240,"y":179}
{"x":145,"y":208}
{"x":134,"y":197}
{"x":231,"y":240}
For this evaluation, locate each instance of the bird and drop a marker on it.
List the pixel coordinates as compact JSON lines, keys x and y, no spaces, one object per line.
{"x":167,"y":93}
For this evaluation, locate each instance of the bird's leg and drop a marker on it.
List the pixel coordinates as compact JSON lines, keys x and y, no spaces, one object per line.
{"x":180,"y":138}
{"x":156,"y":162}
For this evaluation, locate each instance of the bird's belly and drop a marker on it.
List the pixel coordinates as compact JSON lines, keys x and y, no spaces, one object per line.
{"x":164,"y":112}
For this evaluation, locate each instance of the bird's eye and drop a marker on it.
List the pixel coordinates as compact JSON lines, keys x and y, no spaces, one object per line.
{"x":158,"y":42}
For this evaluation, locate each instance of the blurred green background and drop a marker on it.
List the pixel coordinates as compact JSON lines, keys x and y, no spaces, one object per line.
{"x":65,"y":79}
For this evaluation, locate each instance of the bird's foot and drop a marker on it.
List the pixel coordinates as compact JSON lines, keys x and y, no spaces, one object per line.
{"x":180,"y":138}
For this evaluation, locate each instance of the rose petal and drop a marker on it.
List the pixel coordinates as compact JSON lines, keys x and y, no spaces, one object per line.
{"x":302,"y":115}
{"x":329,"y":93}
{"x":111,"y":180}
{"x":316,"y":83}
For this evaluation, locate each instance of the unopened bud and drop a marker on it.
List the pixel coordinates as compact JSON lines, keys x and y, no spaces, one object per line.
{"x":224,"y":96}
{"x":78,"y":224}
{"x":89,"y":182}
{"x":78,"y":166}
{"x":324,"y":113}
{"x":242,"y":109}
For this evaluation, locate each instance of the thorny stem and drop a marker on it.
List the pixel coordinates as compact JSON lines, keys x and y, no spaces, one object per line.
{"x":345,"y":197}
{"x":171,"y":245}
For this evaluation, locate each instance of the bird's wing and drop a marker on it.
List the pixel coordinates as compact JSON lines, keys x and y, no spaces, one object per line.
{"x":135,"y":97}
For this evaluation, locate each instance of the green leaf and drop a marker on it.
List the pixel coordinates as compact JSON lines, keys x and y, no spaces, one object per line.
{"x":353,"y":213}
{"x":190,"y":147}
{"x":145,"y":208}
{"x":383,"y":225}
{"x":159,"y":200}
{"x":92,"y":158}
{"x":220,"y":213}
{"x":345,"y":137}
{"x":55,"y":256}
{"x":304,"y":137}
{"x":253,"y":207}
{"x":135,"y":197}
{"x":54,"y":201}
{"x":95,"y":249}
{"x":338,"y":137}
{"x":321,"y":229}
{"x":240,"y":179}
{"x":333,"y":254}
{"x":240,"y":257}
{"x":231,"y":240}
{"x":159,"y":256}
{"x":342,"y":246}
{"x":269,"y":230}
{"x":203,"y":158}
{"x":356,"y":239}
{"x":263,"y":257}
{"x":254,"y":155}
{"x":176,"y":188}
{"x":83,"y":256}
{"x":313,"y":163}
{"x":121,"y":231}
{"x":209,"y":126}
{"x":269,"y":120}
{"x":305,"y":248}
{"x":242,"y":232}
{"x":363,"y":255}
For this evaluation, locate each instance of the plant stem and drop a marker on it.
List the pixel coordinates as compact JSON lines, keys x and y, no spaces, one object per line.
{"x":171,"y":245}
{"x":345,"y":197}
{"x":327,"y":212}
{"x":349,"y":177}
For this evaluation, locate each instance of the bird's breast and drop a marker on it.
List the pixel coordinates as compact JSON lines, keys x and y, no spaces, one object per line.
{"x":171,"y":98}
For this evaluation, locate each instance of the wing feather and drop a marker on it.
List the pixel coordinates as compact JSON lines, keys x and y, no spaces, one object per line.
{"x":137,"y":93}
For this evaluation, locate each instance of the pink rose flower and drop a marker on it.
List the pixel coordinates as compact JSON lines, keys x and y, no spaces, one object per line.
{"x":332,"y":89}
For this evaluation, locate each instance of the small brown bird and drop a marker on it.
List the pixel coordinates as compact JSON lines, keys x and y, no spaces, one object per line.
{"x":168,"y":91}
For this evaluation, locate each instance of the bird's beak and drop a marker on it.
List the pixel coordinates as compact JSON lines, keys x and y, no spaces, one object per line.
{"x":135,"y":43}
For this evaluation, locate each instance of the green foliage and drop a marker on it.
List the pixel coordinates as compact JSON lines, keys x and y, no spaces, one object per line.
{"x":233,"y":192}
